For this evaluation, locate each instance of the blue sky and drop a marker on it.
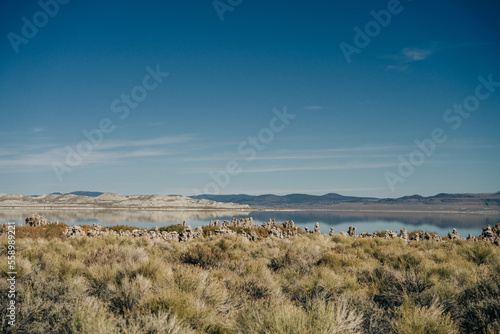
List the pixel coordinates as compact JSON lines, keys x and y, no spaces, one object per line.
{"x":349,"y":124}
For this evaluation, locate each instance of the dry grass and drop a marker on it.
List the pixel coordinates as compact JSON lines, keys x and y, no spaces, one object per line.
{"x":307,"y":284}
{"x":50,"y":231}
{"x":205,"y":257}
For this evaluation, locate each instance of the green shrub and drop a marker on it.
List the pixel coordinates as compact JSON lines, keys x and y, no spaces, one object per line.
{"x":47,"y":232}
{"x":336,"y":260}
{"x":161,"y":322}
{"x":103,"y":256}
{"x":340,"y":239}
{"x":281,"y":316}
{"x":290,"y":260}
{"x":172,"y":228}
{"x":407,"y":261}
{"x":375,"y":319}
{"x":204,"y":256}
{"x":480,"y":306}
{"x":255,"y":288}
{"x":394,"y":287}
{"x":128,"y":294}
{"x":411,"y":319}
{"x":308,"y":284}
{"x":117,"y":228}
{"x":480,"y":253}
{"x":92,"y":316}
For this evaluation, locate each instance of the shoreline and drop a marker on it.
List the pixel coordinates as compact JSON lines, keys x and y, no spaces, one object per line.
{"x":46,"y":207}
{"x":481,"y":212}
{"x":176,"y":209}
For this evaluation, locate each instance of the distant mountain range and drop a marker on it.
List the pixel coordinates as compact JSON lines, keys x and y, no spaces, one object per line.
{"x":270,"y":200}
{"x":333,"y":201}
{"x":80,"y":193}
{"x":336,"y":201}
{"x":113,"y":201}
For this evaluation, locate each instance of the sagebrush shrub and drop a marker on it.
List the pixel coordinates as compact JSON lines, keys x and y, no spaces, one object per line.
{"x":307,"y":284}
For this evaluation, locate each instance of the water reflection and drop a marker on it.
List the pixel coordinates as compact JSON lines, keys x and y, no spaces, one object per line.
{"x":120,"y":217}
{"x":379,"y":221}
{"x":364,"y":221}
{"x":336,"y":217}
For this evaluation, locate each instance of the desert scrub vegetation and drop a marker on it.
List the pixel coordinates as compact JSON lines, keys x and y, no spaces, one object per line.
{"x":312,"y":283}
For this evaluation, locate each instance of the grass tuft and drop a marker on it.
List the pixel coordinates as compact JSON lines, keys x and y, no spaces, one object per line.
{"x":226,"y":284}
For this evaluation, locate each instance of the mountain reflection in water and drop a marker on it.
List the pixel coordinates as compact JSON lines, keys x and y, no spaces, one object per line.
{"x":364,"y":221}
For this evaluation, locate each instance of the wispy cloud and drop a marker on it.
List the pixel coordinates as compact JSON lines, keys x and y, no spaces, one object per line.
{"x":167,"y":140}
{"x":274,"y":169}
{"x":397,"y":67}
{"x":36,"y":129}
{"x":367,"y":148}
{"x":317,"y":168}
{"x":374,"y":151}
{"x":23,"y":157}
{"x":409,"y":55}
{"x":5,"y":152}
{"x":99,"y":157}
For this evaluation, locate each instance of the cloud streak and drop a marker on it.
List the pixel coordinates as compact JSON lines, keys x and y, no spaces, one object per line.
{"x":317,"y":168}
{"x":340,"y":152}
{"x":410,"y":55}
{"x":314,"y":108}
{"x":407,"y":56}
{"x":23,"y":157}
{"x":168,"y":140}
{"x":366,"y":165}
{"x":397,"y":67}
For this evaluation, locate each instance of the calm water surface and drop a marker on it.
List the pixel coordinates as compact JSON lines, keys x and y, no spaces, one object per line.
{"x":340,"y":221}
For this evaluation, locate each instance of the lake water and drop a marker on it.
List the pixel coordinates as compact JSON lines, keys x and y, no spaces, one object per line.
{"x":340,"y":221}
